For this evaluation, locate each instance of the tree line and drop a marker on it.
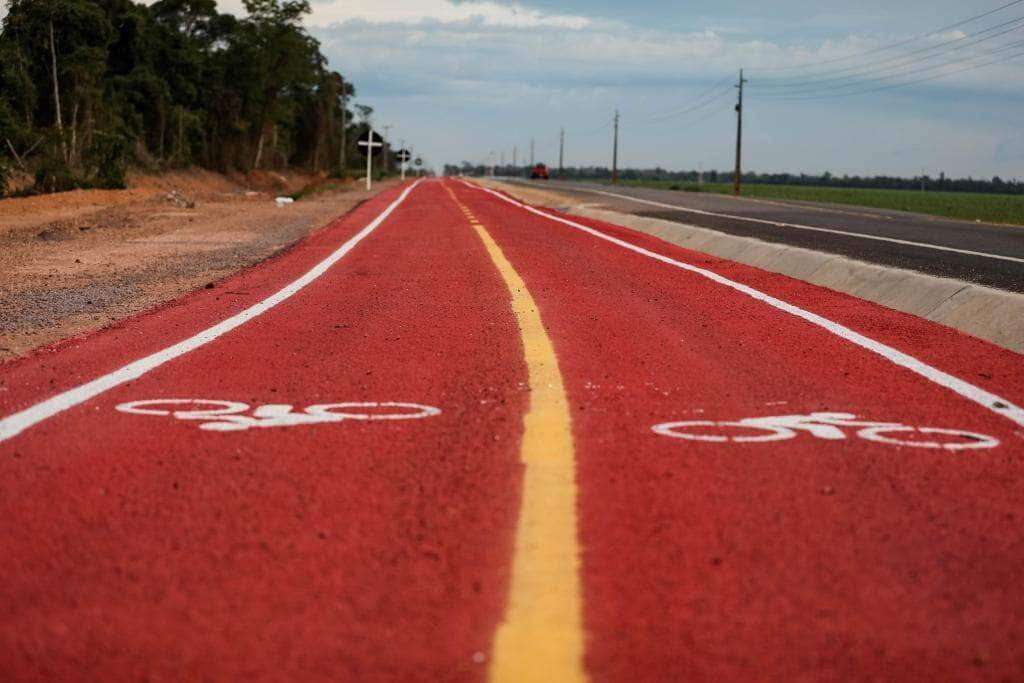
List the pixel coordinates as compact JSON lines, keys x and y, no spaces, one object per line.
{"x":88,"y":87}
{"x":598,"y":173}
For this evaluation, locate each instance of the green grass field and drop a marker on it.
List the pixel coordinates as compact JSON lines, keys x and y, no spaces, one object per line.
{"x":993,"y":208}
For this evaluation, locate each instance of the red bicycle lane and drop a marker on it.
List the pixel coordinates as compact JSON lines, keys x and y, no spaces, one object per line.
{"x":824,"y":557}
{"x":219,"y":546}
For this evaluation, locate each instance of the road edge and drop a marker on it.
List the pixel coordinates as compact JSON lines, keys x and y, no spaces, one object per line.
{"x":990,"y":314}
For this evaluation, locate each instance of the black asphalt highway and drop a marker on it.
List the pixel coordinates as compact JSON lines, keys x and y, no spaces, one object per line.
{"x":983,"y":253}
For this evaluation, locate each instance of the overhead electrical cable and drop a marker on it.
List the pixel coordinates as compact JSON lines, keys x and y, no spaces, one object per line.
{"x":890,"y":76}
{"x":898,"y":60}
{"x":670,"y":113}
{"x":681,"y":116}
{"x":893,"y":86}
{"x":891,"y":46}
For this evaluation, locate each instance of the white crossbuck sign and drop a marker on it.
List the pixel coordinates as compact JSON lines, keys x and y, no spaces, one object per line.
{"x":372,"y":142}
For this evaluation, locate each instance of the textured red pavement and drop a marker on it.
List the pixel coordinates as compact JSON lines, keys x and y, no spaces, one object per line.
{"x":796,"y":560}
{"x":141,"y":547}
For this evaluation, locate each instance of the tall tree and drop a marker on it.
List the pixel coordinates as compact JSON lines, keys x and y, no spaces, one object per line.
{"x":168,"y":82}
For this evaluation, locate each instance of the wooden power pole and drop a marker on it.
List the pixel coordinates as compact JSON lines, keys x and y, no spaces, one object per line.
{"x":615,"y":151}
{"x":343,"y":154}
{"x":561,"y":153}
{"x":739,"y":137}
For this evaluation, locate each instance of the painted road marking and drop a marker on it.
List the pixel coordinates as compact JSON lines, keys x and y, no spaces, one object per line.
{"x":827,"y":426}
{"x":798,"y":226}
{"x":13,"y":425}
{"x":228,"y":416}
{"x":988,"y":400}
{"x":541,"y":637}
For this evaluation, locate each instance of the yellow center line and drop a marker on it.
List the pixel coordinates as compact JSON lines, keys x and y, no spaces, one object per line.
{"x":541,"y":637}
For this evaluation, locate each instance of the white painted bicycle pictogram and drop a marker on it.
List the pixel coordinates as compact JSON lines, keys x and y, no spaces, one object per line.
{"x":827,"y":426}
{"x":234,"y":416}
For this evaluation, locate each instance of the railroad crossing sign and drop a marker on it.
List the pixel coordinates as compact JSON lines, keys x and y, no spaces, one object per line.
{"x":371,"y":145}
{"x":377,"y":145}
{"x":404,"y":155}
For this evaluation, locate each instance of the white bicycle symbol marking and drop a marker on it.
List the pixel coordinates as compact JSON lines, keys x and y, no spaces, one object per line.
{"x":828,"y":426}
{"x":228,"y":416}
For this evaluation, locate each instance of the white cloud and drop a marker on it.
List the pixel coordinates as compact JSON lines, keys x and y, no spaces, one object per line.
{"x":483,"y":12}
{"x":488,"y":39}
{"x":604,"y":55}
{"x":464,"y":77}
{"x":445,"y":11}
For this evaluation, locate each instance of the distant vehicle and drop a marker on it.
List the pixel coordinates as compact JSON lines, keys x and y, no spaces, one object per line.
{"x":540,"y":172}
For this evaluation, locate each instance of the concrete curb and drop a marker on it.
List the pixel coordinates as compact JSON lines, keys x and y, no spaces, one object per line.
{"x":990,"y":314}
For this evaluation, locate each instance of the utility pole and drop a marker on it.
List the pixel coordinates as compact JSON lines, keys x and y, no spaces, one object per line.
{"x":739,"y":137}
{"x":515,"y":159}
{"x":343,"y":154}
{"x":369,"y":161}
{"x":615,"y":151}
{"x":402,"y":161}
{"x":561,"y":153}
{"x":531,"y":152}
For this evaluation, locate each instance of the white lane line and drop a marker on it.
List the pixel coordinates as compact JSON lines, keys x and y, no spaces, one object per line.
{"x":796,"y":225}
{"x":18,"y":422}
{"x":988,"y":400}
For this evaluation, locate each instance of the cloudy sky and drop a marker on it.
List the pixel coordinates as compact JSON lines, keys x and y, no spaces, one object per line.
{"x":462,"y":78}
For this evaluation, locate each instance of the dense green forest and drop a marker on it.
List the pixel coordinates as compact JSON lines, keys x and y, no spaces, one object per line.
{"x":994,"y":185}
{"x":89,"y":87}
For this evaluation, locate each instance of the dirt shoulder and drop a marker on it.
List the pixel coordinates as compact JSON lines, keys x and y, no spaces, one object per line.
{"x":75,"y":262}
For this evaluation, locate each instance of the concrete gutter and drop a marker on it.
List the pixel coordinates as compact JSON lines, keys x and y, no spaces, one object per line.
{"x":990,"y":314}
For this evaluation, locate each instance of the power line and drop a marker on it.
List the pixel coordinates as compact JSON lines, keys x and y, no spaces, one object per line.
{"x":700,"y":119}
{"x":893,"y":86}
{"x":900,"y":60}
{"x":881,"y":79}
{"x":681,"y":117}
{"x":671,"y":113}
{"x":674,"y":116}
{"x":891,"y":46}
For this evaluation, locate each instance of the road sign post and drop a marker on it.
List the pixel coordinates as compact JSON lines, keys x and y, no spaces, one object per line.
{"x":370,"y":144}
{"x":369,"y":160}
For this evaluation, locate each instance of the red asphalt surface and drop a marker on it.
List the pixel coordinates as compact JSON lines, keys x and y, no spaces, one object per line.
{"x":143,"y":547}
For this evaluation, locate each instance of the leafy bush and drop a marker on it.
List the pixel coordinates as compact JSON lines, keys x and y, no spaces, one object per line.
{"x":54,"y":175}
{"x":104,"y":166}
{"x":107,"y":158}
